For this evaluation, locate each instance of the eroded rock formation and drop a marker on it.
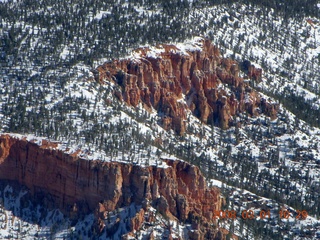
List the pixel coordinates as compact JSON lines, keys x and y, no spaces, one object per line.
{"x":77,"y":186}
{"x":174,"y":81}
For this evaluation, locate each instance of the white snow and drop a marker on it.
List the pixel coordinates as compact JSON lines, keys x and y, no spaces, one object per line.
{"x":101,"y":14}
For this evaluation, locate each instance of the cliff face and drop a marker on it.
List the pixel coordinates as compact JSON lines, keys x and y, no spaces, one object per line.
{"x":196,"y":75}
{"x":77,"y":186}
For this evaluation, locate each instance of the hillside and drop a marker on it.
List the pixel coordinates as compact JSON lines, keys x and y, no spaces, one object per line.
{"x":246,"y":112}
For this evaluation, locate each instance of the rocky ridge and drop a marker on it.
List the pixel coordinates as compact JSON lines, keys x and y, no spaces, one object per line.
{"x":177,"y":79}
{"x":177,"y":190}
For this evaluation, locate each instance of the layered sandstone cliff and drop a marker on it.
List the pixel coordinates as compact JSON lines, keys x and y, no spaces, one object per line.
{"x":79,"y":186}
{"x":163,"y":76}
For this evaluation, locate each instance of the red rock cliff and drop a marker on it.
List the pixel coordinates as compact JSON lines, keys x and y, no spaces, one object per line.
{"x":78,"y":186}
{"x":160,"y":77}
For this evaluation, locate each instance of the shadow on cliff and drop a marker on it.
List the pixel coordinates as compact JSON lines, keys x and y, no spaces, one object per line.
{"x":21,"y":208}
{"x":78,"y":187}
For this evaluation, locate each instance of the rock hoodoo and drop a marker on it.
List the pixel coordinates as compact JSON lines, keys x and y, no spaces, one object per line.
{"x":177,"y":190}
{"x":174,"y":79}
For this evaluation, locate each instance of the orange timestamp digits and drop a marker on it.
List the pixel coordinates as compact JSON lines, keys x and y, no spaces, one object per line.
{"x":225,"y":214}
{"x":302,"y":214}
{"x":250,"y":214}
{"x":263,"y":214}
{"x":285,"y":214}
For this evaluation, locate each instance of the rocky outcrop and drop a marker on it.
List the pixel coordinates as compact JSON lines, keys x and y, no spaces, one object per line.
{"x":255,"y":73}
{"x":78,"y":186}
{"x":174,"y":81}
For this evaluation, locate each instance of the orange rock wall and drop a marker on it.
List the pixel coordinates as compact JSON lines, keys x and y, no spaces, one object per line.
{"x":77,"y":186}
{"x":160,"y":82}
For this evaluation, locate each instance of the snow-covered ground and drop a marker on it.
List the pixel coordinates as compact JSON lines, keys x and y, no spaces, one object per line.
{"x":65,"y":104}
